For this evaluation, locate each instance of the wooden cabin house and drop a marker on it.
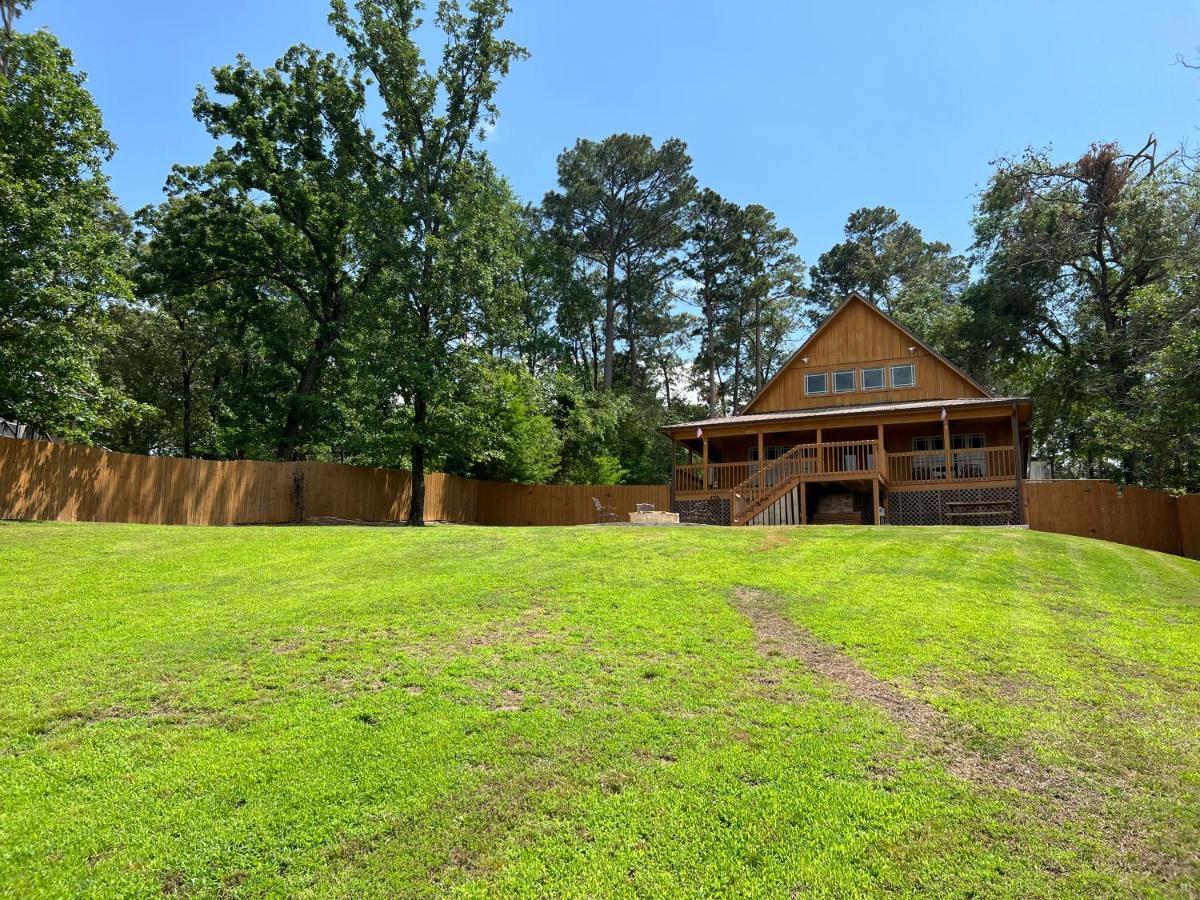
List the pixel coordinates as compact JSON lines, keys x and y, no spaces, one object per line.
{"x":865,"y":423}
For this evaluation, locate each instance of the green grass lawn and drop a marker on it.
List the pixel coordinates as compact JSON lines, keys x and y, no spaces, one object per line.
{"x":595,"y":711}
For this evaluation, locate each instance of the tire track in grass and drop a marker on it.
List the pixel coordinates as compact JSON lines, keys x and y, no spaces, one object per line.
{"x":777,"y":635}
{"x":1062,"y":795}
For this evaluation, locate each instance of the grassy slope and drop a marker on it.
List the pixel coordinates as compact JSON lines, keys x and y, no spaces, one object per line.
{"x":581,"y":711}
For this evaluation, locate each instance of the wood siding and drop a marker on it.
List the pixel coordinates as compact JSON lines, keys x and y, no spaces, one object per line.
{"x":857,"y":337}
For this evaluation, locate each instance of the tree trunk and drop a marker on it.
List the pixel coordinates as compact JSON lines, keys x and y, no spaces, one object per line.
{"x":758,"y":368}
{"x":416,"y":506}
{"x":710,"y":351}
{"x":314,"y":366}
{"x":594,"y":359}
{"x":630,"y":339}
{"x":737,"y":366}
{"x":186,"y":395}
{"x":610,"y":321}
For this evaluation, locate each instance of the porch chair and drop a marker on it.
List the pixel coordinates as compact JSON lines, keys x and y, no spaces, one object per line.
{"x":604,"y":513}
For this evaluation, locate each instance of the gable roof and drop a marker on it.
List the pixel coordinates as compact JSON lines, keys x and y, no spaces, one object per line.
{"x":855,"y":297}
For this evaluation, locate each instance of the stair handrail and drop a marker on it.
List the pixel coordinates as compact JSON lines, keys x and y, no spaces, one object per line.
{"x":749,"y":492}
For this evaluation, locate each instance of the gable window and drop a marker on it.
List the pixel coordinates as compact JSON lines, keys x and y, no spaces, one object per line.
{"x":816,"y":383}
{"x":843,"y":382}
{"x":904,"y":375}
{"x":874,"y":379}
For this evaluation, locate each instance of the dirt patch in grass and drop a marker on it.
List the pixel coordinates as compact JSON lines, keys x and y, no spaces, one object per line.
{"x":773,"y":540}
{"x":777,"y":635}
{"x":173,"y":884}
{"x":526,"y":628}
{"x":509,"y":701}
{"x":1063,"y":795}
{"x":158,"y":713}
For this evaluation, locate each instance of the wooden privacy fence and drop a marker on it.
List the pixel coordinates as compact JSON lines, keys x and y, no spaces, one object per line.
{"x":1133,"y":515}
{"x":70,"y":483}
{"x":40,"y":480}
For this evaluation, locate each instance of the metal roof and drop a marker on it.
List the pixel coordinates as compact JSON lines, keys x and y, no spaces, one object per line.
{"x":827,"y":411}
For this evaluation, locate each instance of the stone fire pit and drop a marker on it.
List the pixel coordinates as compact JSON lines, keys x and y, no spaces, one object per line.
{"x":653,"y":517}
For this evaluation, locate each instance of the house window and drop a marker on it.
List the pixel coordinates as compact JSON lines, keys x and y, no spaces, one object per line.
{"x":874,"y":379}
{"x":904,"y":375}
{"x":966,"y":441}
{"x":816,"y":383}
{"x":843,"y":382}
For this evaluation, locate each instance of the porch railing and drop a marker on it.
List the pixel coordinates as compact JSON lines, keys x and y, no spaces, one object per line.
{"x":836,"y":458}
{"x":974,"y":464}
{"x":764,"y":482}
{"x":844,"y":457}
{"x":721,"y":476}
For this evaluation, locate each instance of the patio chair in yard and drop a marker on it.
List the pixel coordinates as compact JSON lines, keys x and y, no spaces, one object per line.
{"x":604,"y":513}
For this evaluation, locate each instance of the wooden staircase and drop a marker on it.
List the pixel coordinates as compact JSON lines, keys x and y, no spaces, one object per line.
{"x":766,"y":496}
{"x":771,"y":483}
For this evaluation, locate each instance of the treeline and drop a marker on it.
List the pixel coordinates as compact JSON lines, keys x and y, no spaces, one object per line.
{"x":324,"y":288}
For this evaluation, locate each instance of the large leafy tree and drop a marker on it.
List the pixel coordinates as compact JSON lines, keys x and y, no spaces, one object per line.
{"x":1088,"y":301}
{"x":773,"y":278}
{"x":62,"y":238}
{"x":890,"y":263}
{"x":715,"y":249}
{"x":194,"y":358}
{"x":621,"y":206}
{"x":168,"y":358}
{"x":277,"y":219}
{"x":748,"y":284}
{"x":444,"y":228}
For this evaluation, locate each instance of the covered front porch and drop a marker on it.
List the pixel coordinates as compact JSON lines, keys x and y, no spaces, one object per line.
{"x":755,"y":466}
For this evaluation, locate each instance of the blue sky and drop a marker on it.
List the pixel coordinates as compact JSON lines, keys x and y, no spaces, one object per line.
{"x":810,"y":109}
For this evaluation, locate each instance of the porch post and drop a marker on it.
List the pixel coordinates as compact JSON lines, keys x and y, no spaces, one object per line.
{"x":879,"y":451}
{"x":1017,"y":458}
{"x":803,"y":502}
{"x":674,"y":468}
{"x":820,"y":453}
{"x":706,"y":464}
{"x":948,"y":453}
{"x":762,"y":453}
{"x":875,"y":499}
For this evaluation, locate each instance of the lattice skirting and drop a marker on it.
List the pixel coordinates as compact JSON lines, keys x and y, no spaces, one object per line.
{"x":713,"y":511}
{"x":929,"y":507}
